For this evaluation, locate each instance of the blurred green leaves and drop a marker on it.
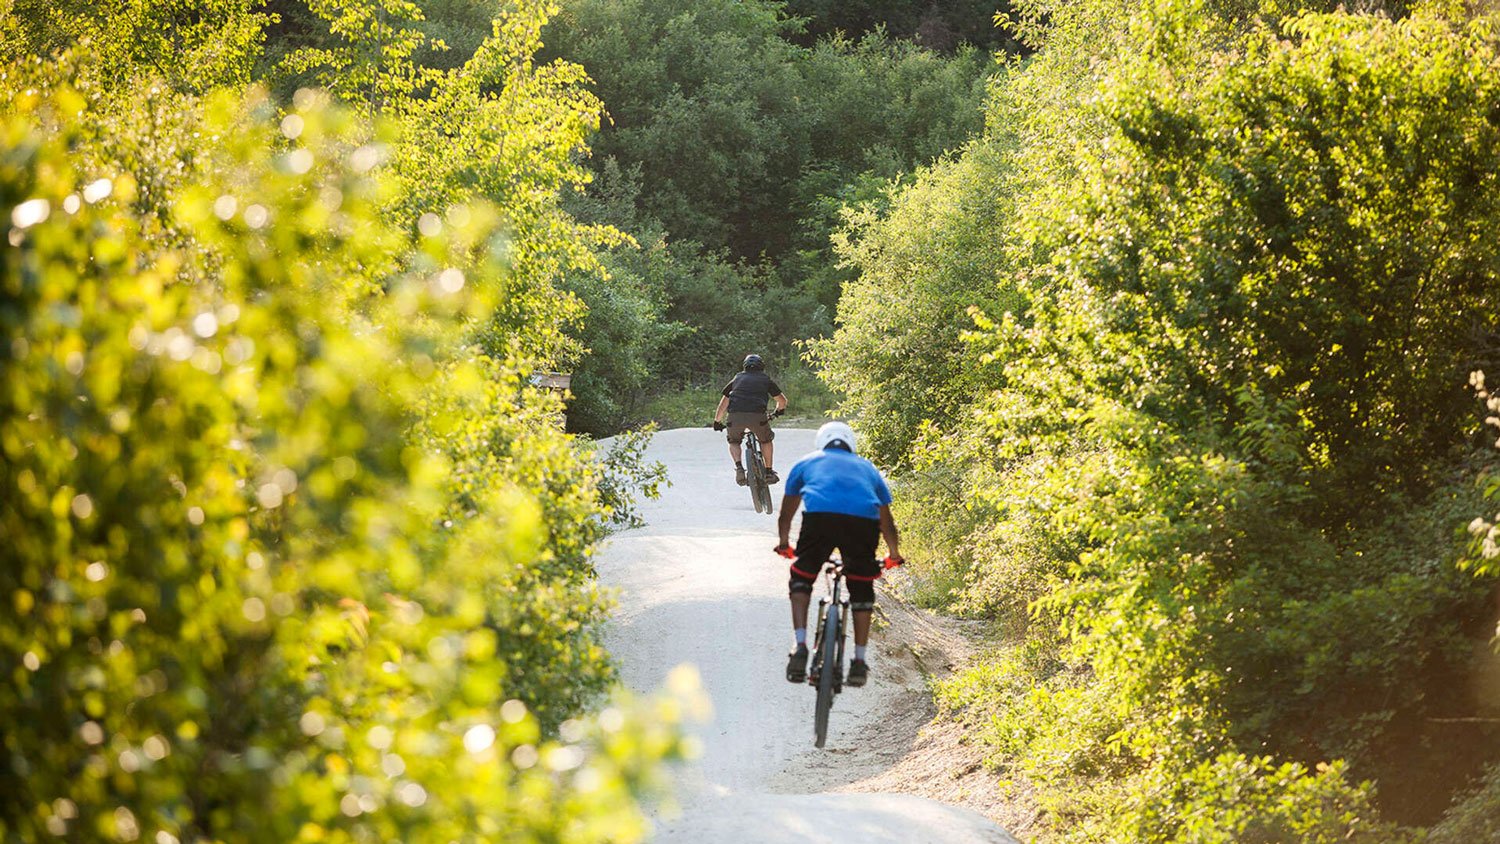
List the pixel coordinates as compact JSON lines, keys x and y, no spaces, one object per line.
{"x":293,"y":550}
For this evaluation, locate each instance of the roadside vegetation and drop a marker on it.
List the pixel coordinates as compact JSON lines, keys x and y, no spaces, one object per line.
{"x":1180,"y":348}
{"x":292,"y":552}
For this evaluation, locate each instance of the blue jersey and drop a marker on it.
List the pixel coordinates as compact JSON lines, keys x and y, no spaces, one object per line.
{"x":838,"y":481}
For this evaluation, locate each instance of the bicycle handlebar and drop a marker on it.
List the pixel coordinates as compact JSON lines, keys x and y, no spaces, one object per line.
{"x":790,"y":553}
{"x":719,"y":426}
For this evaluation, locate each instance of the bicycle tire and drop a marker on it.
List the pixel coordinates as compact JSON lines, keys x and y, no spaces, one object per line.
{"x":760,"y":493}
{"x":763,"y":491}
{"x":828,"y":665}
{"x":752,"y":470}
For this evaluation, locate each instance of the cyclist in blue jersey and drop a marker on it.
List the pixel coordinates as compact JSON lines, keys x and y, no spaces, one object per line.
{"x":744,"y":402}
{"x":846,"y":506}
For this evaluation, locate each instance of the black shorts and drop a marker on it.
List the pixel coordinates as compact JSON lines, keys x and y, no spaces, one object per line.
{"x":738,"y":423}
{"x":854,"y":537}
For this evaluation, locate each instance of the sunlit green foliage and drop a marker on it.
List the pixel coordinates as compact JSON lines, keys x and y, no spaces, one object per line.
{"x":192,"y":46}
{"x":371,"y":61}
{"x":1234,"y":799}
{"x":293,"y":551}
{"x":900,"y":358}
{"x":1301,"y":238}
{"x":1214,"y":428}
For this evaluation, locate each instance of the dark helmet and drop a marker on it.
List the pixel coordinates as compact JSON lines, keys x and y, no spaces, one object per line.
{"x":753,"y":362}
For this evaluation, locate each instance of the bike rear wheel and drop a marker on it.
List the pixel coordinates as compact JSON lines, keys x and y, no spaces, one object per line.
{"x":828,"y":661}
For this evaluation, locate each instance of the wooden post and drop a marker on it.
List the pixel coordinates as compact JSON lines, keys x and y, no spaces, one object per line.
{"x":558,"y":382}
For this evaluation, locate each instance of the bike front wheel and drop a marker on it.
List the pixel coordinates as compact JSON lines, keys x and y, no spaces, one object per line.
{"x":828,"y":660}
{"x":762,"y":493}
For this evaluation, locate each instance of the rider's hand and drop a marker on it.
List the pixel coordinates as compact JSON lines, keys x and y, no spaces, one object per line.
{"x":719,"y":426}
{"x":894,"y":560}
{"x":787,"y":551}
{"x":779,"y":411}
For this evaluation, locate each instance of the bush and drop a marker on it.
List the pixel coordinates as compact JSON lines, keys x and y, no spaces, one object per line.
{"x":293,"y":559}
{"x":899,"y":354}
{"x":1234,"y":799}
{"x":1475,"y":816}
{"x":1180,"y":437}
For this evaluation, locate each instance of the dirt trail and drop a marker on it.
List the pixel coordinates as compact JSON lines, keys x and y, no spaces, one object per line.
{"x":699,"y":585}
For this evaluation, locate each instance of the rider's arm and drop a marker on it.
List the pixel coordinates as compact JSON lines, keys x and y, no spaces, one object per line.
{"x":780,"y":401}
{"x":887,"y":530}
{"x":789,"y":505}
{"x":723,"y":406}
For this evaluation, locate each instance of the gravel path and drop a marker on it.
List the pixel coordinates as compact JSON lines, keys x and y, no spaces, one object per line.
{"x":700,"y":585}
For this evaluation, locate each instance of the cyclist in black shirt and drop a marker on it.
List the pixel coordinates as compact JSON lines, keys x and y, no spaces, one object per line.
{"x":745,"y":398}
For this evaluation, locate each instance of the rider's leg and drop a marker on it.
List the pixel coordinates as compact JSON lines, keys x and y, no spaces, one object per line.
{"x":860,"y":572}
{"x":813,"y":549}
{"x":763,"y":433}
{"x":859,"y":669}
{"x":736,"y":435}
{"x":796,"y":661}
{"x":861,"y":605}
{"x":861,"y":627}
{"x":734,"y":431}
{"x":800,"y":603}
{"x":861,"y":602}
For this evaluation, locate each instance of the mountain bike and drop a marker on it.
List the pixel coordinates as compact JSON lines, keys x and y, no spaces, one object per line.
{"x":828,"y":645}
{"x":755,"y":469}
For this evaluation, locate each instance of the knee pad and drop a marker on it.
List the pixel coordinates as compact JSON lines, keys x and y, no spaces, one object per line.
{"x":861,"y":594}
{"x":796,"y":584}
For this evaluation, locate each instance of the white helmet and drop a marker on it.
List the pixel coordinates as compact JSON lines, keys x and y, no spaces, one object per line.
{"x":834,"y":432}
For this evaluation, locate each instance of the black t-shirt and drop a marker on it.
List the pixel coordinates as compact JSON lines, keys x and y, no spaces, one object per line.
{"x":749,"y":392}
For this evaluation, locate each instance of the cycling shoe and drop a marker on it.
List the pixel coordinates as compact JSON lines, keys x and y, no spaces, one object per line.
{"x":796,"y":665}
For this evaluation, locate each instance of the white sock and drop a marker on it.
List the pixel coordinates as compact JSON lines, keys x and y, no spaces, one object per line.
{"x":801,"y":634}
{"x":859,"y":652}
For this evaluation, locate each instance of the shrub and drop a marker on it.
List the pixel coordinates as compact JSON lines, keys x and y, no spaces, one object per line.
{"x":1235,"y":799}
{"x":1211,"y":255}
{"x":293,"y":560}
{"x":1474,"y":817}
